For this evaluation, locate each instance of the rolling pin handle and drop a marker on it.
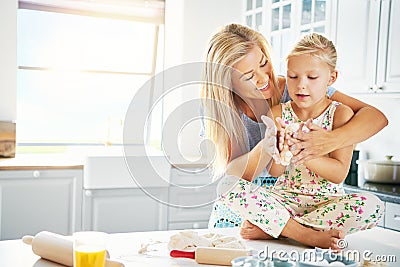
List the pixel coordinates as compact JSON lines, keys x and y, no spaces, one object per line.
{"x":182,"y":254}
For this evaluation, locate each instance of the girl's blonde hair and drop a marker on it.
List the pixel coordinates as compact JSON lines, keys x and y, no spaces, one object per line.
{"x":318,"y":46}
{"x":222,"y":117}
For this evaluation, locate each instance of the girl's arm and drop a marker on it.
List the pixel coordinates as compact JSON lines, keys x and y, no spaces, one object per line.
{"x":366,"y":122}
{"x":335,"y":166}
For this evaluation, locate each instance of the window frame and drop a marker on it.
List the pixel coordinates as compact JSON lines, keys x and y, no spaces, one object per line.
{"x":105,"y":9}
{"x":295,"y":29}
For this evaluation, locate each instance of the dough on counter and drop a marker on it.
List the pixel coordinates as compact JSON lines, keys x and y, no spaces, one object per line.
{"x":144,"y":247}
{"x":189,"y":240}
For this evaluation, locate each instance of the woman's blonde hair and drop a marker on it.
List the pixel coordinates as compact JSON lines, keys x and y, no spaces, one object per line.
{"x":222,"y":117}
{"x":318,"y":46}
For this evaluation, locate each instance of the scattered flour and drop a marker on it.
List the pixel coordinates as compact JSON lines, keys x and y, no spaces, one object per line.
{"x":188,"y":240}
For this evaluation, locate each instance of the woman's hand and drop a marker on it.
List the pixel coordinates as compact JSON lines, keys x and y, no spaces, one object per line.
{"x":269,"y":141}
{"x":313,"y":144}
{"x":281,"y":136}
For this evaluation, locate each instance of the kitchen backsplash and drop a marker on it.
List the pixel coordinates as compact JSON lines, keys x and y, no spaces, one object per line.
{"x":386,"y":142}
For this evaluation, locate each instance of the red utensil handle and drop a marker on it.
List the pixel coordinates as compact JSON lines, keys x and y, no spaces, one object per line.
{"x":182,"y":254}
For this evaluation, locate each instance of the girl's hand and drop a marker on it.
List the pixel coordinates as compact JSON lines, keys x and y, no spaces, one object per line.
{"x":313,"y":144}
{"x":269,"y":141}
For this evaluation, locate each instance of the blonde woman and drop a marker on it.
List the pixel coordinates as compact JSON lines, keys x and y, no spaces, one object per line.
{"x":240,"y":86}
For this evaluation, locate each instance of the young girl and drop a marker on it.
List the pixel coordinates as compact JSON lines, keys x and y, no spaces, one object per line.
{"x":308,"y":196}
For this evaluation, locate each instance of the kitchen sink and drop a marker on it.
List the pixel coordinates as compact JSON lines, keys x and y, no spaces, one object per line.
{"x":110,"y":169}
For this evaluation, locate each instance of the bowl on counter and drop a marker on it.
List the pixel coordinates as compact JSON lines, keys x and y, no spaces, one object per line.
{"x":383,"y":171}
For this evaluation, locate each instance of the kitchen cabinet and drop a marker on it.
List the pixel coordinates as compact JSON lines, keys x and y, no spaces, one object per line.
{"x":392,"y":216}
{"x":367,"y":46}
{"x":125,"y":209}
{"x":381,"y":223}
{"x":191,"y":195}
{"x":36,"y":200}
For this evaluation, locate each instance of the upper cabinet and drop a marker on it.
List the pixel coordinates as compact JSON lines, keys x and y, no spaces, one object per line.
{"x":367,"y":34}
{"x":389,"y":63}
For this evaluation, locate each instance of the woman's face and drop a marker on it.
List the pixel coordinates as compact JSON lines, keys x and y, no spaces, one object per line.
{"x":308,"y":78}
{"x":252,"y":78}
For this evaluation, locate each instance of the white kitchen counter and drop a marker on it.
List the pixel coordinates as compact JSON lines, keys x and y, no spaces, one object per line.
{"x":123,"y":247}
{"x":41,"y":162}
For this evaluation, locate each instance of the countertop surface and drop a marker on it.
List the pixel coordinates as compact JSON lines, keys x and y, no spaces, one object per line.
{"x":124,"y":248}
{"x":42,"y":161}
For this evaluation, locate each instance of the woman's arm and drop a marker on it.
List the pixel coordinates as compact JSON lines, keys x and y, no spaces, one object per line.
{"x":366,"y":122}
{"x":335,"y":166}
{"x":278,"y":169}
{"x":250,"y":165}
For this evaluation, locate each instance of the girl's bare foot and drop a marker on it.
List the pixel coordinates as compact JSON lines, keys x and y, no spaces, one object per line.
{"x":328,"y":239}
{"x":250,"y":231}
{"x":298,"y":232}
{"x":311,"y":237}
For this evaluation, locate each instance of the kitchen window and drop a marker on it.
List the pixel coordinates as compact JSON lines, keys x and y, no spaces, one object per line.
{"x":283,"y":22}
{"x":80,"y":66}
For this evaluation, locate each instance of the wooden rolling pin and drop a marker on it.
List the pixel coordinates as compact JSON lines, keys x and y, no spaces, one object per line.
{"x":57,"y":248}
{"x":211,"y":255}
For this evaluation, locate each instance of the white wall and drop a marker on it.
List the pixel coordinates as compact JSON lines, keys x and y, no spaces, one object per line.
{"x":189,"y":24}
{"x":8,"y":59}
{"x":387,"y":141}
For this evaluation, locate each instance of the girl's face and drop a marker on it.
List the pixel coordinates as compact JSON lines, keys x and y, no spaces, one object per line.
{"x":252,"y":78}
{"x":308,"y":78}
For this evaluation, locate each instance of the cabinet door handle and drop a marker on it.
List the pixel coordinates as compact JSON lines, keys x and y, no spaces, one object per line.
{"x":88,"y":193}
{"x":196,"y":226}
{"x":396,"y":217}
{"x":36,"y":174}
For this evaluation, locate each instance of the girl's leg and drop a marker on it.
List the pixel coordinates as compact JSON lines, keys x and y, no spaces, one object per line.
{"x":222,"y":217}
{"x":349,"y":213}
{"x":254,"y":204}
{"x":261,"y":209}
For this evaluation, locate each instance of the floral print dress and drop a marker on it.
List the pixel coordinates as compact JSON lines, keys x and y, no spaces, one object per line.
{"x":302,"y":195}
